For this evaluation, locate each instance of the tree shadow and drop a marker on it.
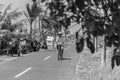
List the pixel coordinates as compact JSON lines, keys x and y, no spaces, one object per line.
{"x":52,"y":50}
{"x":66,"y":59}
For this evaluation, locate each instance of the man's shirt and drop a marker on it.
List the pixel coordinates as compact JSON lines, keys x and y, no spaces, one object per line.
{"x":60,"y":41}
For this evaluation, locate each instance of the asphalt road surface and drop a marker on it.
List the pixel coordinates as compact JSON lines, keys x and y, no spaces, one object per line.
{"x":41,"y":65}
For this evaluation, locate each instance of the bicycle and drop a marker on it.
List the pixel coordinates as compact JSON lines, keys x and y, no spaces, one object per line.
{"x":60,"y":52}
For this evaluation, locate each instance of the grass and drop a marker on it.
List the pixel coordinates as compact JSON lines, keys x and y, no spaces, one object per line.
{"x":88,"y":67}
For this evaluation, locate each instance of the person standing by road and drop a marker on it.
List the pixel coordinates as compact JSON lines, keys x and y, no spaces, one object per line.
{"x":60,"y":45}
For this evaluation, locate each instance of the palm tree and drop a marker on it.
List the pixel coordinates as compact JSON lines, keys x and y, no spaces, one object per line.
{"x":4,"y":14}
{"x":5,"y":18}
{"x":47,"y":22}
{"x":32,"y":13}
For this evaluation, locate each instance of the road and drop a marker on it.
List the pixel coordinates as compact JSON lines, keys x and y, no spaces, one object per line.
{"x":41,"y":65}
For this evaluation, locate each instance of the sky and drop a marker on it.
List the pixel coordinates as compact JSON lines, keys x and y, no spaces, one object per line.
{"x":16,"y":3}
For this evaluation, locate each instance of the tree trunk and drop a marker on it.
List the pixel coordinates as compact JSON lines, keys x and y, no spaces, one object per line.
{"x":93,"y":40}
{"x":65,"y":35}
{"x":54,"y":35}
{"x":35,"y":28}
{"x":96,"y":44}
{"x":42,"y":32}
{"x":39,"y":25}
{"x":31,"y":30}
{"x":39,"y":20}
{"x":103,"y":57}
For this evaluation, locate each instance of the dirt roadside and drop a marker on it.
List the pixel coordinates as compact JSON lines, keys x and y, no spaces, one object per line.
{"x":6,"y":58}
{"x":88,"y":67}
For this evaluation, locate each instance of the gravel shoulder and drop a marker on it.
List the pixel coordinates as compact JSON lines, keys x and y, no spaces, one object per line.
{"x":88,"y":67}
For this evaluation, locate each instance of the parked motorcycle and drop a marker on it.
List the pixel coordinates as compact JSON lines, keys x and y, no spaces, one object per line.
{"x":44,"y":46}
{"x":13,"y":49}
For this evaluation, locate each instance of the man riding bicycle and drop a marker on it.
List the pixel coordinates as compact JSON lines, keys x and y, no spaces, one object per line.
{"x":60,"y":45}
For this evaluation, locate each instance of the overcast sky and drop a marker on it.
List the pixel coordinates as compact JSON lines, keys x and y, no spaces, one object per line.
{"x":16,"y":3}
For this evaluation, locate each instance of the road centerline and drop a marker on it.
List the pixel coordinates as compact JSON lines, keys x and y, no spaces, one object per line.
{"x":47,"y":57}
{"x":20,"y":74}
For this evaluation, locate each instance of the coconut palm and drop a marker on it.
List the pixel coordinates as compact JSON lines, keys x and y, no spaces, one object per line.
{"x":32,"y":13}
{"x":6,"y":22}
{"x":48,"y":24}
{"x":4,"y":14}
{"x":6,"y":17}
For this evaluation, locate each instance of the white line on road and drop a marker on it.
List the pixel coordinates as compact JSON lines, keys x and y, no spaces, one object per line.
{"x":23,"y":72}
{"x":47,"y":57}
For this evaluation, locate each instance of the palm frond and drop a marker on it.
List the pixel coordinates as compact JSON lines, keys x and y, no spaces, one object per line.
{"x":37,"y":11}
{"x":28,"y":9}
{"x":15,"y":14}
{"x":34,"y":0}
{"x":45,"y":24}
{"x":5,"y":12}
{"x":48,"y":24}
{"x":43,"y":1}
{"x":18,"y":24}
{"x":33,"y":11}
{"x":34,"y":7}
{"x":1,"y":6}
{"x":28,"y":18}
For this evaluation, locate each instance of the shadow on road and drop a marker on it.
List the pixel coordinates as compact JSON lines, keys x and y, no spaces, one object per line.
{"x":66,"y":59}
{"x":51,"y":50}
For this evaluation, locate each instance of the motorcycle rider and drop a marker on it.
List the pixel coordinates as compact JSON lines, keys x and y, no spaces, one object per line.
{"x":60,"y":45}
